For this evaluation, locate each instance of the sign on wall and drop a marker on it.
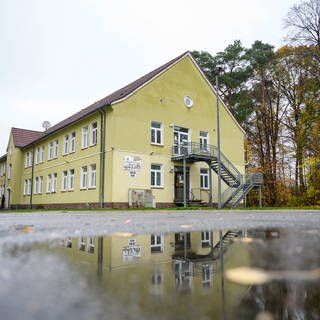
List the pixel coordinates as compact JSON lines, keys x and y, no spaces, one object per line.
{"x":131,"y":251}
{"x":132,"y":164}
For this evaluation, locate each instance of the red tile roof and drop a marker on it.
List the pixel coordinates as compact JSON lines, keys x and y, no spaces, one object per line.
{"x":23,"y":137}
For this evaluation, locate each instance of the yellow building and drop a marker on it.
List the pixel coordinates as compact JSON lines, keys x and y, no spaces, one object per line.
{"x":151,"y":143}
{"x":162,"y":273}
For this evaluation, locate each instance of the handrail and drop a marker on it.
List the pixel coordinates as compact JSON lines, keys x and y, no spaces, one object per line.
{"x":204,"y":150}
{"x":209,"y":153}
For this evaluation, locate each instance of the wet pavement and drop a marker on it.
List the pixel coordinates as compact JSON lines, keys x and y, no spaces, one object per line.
{"x":259,"y":265}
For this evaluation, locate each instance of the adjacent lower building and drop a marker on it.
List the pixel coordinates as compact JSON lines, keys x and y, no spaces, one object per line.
{"x":152,"y":143}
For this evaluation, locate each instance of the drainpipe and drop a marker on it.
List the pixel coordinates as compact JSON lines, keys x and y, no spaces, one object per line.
{"x":102,"y":157}
{"x":32,"y":174}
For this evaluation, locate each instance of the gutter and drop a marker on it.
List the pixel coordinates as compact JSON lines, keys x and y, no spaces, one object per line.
{"x":32,"y":174}
{"x":102,"y":157}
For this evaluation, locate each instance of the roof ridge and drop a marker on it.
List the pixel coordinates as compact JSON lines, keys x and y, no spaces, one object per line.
{"x":113,"y":97}
{"x":26,"y":129}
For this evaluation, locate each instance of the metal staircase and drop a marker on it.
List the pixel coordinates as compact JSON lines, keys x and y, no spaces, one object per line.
{"x":239,"y":185}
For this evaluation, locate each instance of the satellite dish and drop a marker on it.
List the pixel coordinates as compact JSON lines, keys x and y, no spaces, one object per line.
{"x":46,"y":125}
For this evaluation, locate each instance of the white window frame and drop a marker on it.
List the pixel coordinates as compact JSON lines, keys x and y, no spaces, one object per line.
{"x":156,"y":243}
{"x":204,"y":140}
{"x":90,"y":244}
{"x":49,"y":183}
{"x":9,"y":171}
{"x":84,"y":137}
{"x":54,"y":182}
{"x":71,"y":180}
{"x":37,"y":156}
{"x":64,"y":180}
{"x":204,"y":178}
{"x":72,"y":144}
{"x":65,"y":144}
{"x":50,"y":150}
{"x":25,"y":187}
{"x":83,"y":177}
{"x":94,"y":133}
{"x":26,"y":162}
{"x":82,"y":244}
{"x":205,"y":239}
{"x":92,"y":176}
{"x":42,"y":154}
{"x":156,"y":175}
{"x":28,"y":187}
{"x":156,"y":129}
{"x":55,"y":149}
{"x":40,"y":184}
{"x":36,"y":185}
{"x":30,"y":158}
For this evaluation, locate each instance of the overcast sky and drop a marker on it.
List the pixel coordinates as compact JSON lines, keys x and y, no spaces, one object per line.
{"x":59,"y":56}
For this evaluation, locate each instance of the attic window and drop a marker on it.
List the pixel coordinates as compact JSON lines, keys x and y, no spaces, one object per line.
{"x":188,"y":101}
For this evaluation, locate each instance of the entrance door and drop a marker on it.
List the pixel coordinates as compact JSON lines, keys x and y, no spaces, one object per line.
{"x":179,"y":184}
{"x":181,"y":137}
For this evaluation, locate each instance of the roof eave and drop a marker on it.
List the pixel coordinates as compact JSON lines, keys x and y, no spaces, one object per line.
{"x":63,"y":127}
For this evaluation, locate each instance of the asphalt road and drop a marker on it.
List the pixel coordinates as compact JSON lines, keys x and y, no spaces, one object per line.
{"x":40,"y":226}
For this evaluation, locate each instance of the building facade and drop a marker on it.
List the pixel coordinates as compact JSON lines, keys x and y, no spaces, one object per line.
{"x":135,"y":147}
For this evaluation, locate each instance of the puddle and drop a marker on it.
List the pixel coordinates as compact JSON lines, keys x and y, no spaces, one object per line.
{"x":212,"y":274}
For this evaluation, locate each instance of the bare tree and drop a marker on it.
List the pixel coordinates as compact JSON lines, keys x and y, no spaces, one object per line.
{"x":303,"y":23}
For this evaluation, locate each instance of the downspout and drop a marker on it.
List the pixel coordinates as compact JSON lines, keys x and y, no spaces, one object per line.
{"x":102,"y":157}
{"x":32,"y":173}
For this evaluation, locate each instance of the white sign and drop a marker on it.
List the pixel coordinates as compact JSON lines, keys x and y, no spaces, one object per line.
{"x":132,"y":242}
{"x":131,"y":252}
{"x":132,"y":164}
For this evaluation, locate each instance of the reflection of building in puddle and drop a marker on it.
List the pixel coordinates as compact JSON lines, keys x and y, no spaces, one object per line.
{"x":181,"y":271}
{"x":188,"y":254}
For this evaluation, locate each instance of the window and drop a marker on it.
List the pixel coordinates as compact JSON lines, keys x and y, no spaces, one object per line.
{"x":90,"y":242}
{"x":156,"y":243}
{"x":9,"y":171}
{"x":54,"y":182}
{"x":40,"y":184}
{"x":82,"y":244}
{"x":49,"y":183}
{"x":156,"y":133}
{"x":71,"y":179}
{"x":92,"y":176}
{"x":156,"y":175}
{"x":36,"y":185}
{"x":73,"y":142}
{"x":64,"y":180}
{"x":65,"y":144}
{"x":204,"y":178}
{"x":28,"y":160}
{"x":83,"y":177}
{"x":3,"y":169}
{"x":50,"y":150}
{"x":205,"y":239}
{"x":42,"y":154}
{"x":56,"y":148}
{"x":206,"y":276}
{"x":27,"y":187}
{"x":94,"y":134}
{"x":37,"y":157}
{"x":84,"y":141}
{"x":203,"y":141}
